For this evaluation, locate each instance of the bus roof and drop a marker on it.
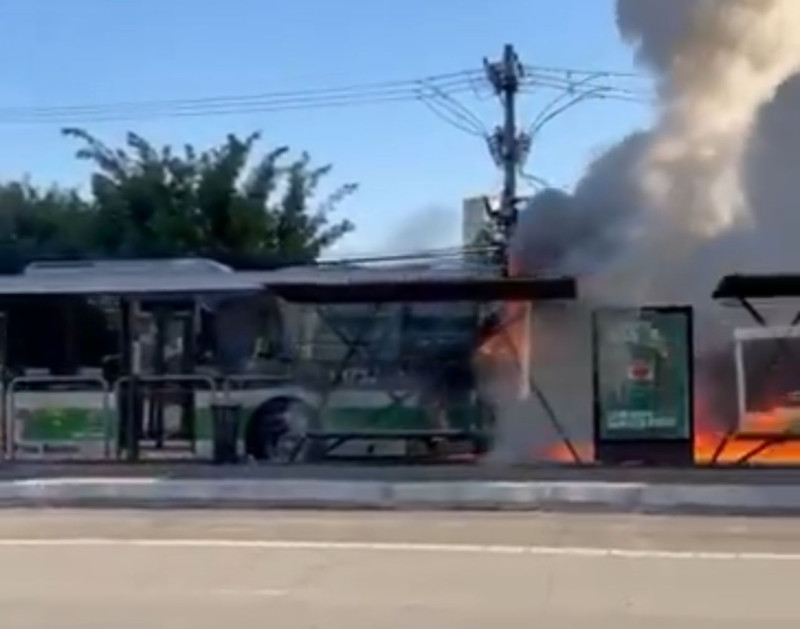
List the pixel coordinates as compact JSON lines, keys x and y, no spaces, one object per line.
{"x":141,"y":265}
{"x":307,"y":284}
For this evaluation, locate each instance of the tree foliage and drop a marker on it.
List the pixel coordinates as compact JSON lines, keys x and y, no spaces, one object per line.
{"x":148,"y":201}
{"x":41,"y":223}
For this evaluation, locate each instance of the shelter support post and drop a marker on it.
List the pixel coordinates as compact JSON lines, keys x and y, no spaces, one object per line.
{"x":188,"y":365}
{"x":5,"y":379}
{"x":156,"y":424}
{"x":131,"y":367}
{"x":752,"y":311}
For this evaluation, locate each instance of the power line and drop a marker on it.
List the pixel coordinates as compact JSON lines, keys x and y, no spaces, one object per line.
{"x":440,"y":88}
{"x":439,"y":109}
{"x":250,"y":108}
{"x":584,"y":71}
{"x":443,"y":105}
{"x":279,"y":96}
{"x":378,"y":93}
{"x":585,"y":82}
{"x":461,"y":111}
{"x":218,"y":111}
{"x":606,"y":95}
{"x":578,"y":87}
{"x":429,"y":255}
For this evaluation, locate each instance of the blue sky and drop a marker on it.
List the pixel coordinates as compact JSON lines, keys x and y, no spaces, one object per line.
{"x":413,"y":168}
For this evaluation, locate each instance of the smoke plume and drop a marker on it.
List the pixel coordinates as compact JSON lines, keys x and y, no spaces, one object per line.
{"x":442,"y":226}
{"x":711,"y":189}
{"x":730,"y":61}
{"x":711,"y":186}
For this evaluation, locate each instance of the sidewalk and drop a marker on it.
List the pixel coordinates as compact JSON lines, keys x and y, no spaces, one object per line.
{"x":163,"y":486}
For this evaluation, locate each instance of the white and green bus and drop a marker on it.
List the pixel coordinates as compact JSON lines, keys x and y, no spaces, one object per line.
{"x":312,"y":379}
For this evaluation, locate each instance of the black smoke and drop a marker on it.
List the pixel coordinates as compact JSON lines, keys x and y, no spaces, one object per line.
{"x":575,"y":233}
{"x":603,"y":224}
{"x":603,"y":230}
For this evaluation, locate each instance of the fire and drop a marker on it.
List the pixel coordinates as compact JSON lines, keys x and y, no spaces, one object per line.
{"x":756,"y":443}
{"x":509,"y":343}
{"x":756,"y":449}
{"x":759,"y":441}
{"x":560,"y":453}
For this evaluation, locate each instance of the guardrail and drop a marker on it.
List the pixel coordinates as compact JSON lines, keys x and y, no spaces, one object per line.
{"x":167,"y":379}
{"x":170,"y":379}
{"x":241,"y":382}
{"x":93,"y":383}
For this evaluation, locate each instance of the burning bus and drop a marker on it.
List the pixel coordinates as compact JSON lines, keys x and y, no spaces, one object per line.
{"x":360,"y":361}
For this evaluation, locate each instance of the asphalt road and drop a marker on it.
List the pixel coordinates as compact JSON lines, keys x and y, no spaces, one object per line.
{"x":95,"y":569}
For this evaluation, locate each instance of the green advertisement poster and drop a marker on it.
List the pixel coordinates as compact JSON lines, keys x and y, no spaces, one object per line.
{"x":643,"y":374}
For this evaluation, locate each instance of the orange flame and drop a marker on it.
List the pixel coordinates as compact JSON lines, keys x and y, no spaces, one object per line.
{"x":508,"y":345}
{"x":758,"y":443}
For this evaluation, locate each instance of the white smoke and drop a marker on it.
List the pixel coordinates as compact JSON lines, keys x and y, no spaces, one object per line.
{"x":705,"y":192}
{"x":654,"y":27}
{"x":729,"y":62}
{"x":713,"y":188}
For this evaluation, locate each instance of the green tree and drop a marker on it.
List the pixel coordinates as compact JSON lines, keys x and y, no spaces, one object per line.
{"x":149,"y":201}
{"x":37,"y":223}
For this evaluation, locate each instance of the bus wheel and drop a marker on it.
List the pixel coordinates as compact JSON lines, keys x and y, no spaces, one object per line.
{"x":277,"y":430}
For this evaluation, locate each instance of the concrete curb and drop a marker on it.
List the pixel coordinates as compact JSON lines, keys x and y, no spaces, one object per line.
{"x":332,"y":494}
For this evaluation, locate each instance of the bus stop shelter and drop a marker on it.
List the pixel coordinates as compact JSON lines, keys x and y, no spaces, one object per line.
{"x":378,"y":288}
{"x":753,"y":293}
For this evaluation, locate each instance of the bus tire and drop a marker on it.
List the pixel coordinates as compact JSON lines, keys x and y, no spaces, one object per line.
{"x":277,"y":430}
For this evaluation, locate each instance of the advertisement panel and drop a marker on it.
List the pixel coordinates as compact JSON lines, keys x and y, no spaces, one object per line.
{"x":643,"y":374}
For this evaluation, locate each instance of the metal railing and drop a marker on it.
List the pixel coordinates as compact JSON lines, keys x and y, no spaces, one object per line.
{"x":91,"y":384}
{"x":178,"y":378}
{"x":241,"y":382}
{"x":165,"y":379}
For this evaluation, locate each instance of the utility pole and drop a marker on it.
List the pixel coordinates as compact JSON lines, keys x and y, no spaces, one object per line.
{"x":506,"y":144}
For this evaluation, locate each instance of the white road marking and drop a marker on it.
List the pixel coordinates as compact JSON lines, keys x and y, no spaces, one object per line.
{"x":99,"y":480}
{"x":161,"y":594}
{"x":267,"y":593}
{"x":257,"y":544}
